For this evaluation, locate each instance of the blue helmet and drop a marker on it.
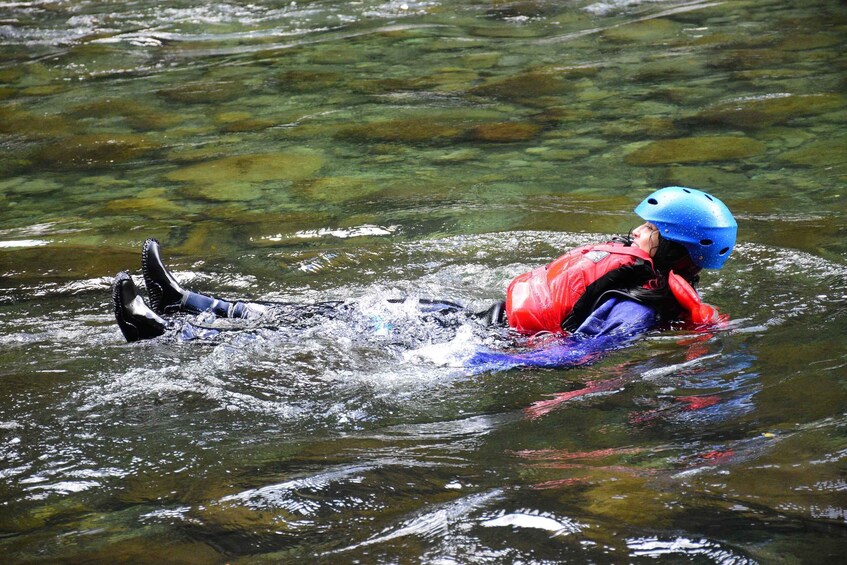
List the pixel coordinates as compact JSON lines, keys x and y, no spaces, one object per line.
{"x":699,"y":221}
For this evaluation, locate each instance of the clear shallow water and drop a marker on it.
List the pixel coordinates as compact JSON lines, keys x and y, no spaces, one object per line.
{"x":328,"y":150}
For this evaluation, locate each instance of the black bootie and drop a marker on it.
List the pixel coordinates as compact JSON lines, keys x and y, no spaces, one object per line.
{"x":135,"y":319}
{"x":166,"y":295}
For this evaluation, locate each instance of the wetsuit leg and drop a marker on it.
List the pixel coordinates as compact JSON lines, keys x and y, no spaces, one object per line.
{"x":493,"y":316}
{"x":166,"y":294}
{"x":195,"y":303}
{"x":278,"y":315}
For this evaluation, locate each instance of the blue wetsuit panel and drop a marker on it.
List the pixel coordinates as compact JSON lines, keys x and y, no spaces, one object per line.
{"x":612,"y":325}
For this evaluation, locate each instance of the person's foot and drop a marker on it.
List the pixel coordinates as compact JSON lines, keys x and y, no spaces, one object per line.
{"x":134,"y":318}
{"x":494,"y":316}
{"x":165,"y":293}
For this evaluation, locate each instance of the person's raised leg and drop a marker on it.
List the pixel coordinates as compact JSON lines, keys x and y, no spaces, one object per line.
{"x":166,"y":294}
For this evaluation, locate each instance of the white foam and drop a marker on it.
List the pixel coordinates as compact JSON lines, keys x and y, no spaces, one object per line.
{"x":533,"y":521}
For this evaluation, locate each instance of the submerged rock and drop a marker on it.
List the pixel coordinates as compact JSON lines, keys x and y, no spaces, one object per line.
{"x":526,"y":87}
{"x":137,"y":114}
{"x":563,"y":154}
{"x":234,"y":191}
{"x":636,"y":128}
{"x":646,"y":31}
{"x":555,"y":115}
{"x":682,"y":95}
{"x":762,"y":112}
{"x":818,"y":154}
{"x":251,"y":124}
{"x":710,"y":177}
{"x":148,"y":206}
{"x":309,"y":81}
{"x":668,"y":68}
{"x":484,"y":60}
{"x":409,"y":130}
{"x":327,"y":53}
{"x":342,"y":189}
{"x":448,"y":79}
{"x":203,"y":92}
{"x":45,"y":90}
{"x":459,"y":156}
{"x":93,"y":151}
{"x":190,"y":155}
{"x":241,"y":177}
{"x":25,"y":186}
{"x":505,"y":132}
{"x":11,"y":75}
{"x":108,"y":183}
{"x":234,"y":122}
{"x":619,"y":500}
{"x":695,"y":150}
{"x":68,"y":258}
{"x":746,"y":59}
{"x":809,"y":41}
{"x":153,"y":120}
{"x":16,"y":121}
{"x":104,"y":107}
{"x":252,"y":168}
{"x":505,"y":32}
{"x":383,"y":85}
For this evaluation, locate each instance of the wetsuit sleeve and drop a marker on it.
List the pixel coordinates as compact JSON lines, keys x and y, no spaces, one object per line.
{"x":615,"y":323}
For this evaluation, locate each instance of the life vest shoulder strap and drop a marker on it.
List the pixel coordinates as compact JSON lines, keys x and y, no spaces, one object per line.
{"x":620,"y":280}
{"x":623,"y":250}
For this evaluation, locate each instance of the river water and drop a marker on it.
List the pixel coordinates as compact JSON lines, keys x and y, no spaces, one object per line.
{"x":323,"y":150}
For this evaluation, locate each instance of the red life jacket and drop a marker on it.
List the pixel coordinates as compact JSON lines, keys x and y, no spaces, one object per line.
{"x":540,"y":300}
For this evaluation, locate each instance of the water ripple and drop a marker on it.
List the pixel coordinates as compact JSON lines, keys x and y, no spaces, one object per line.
{"x":655,"y":547}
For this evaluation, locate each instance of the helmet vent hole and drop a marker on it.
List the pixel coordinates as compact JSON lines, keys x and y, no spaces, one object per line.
{"x":723,"y":251}
{"x":706,"y":242}
{"x":686,"y":191}
{"x":709,"y":197}
{"x":652,"y":201}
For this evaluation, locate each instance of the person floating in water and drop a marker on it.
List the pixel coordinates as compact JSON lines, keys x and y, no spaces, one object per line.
{"x":595,"y":297}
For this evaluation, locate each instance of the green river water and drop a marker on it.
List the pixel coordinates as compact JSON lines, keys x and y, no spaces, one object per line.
{"x":324,"y":150}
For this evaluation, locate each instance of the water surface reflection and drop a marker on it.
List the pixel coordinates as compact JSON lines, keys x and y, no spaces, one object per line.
{"x":329,"y":150}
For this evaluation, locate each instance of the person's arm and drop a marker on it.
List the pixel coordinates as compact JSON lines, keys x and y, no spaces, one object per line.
{"x":612,"y":325}
{"x":696,"y":311}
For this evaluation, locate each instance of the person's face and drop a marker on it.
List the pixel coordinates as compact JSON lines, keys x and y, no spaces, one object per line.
{"x":646,"y":238}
